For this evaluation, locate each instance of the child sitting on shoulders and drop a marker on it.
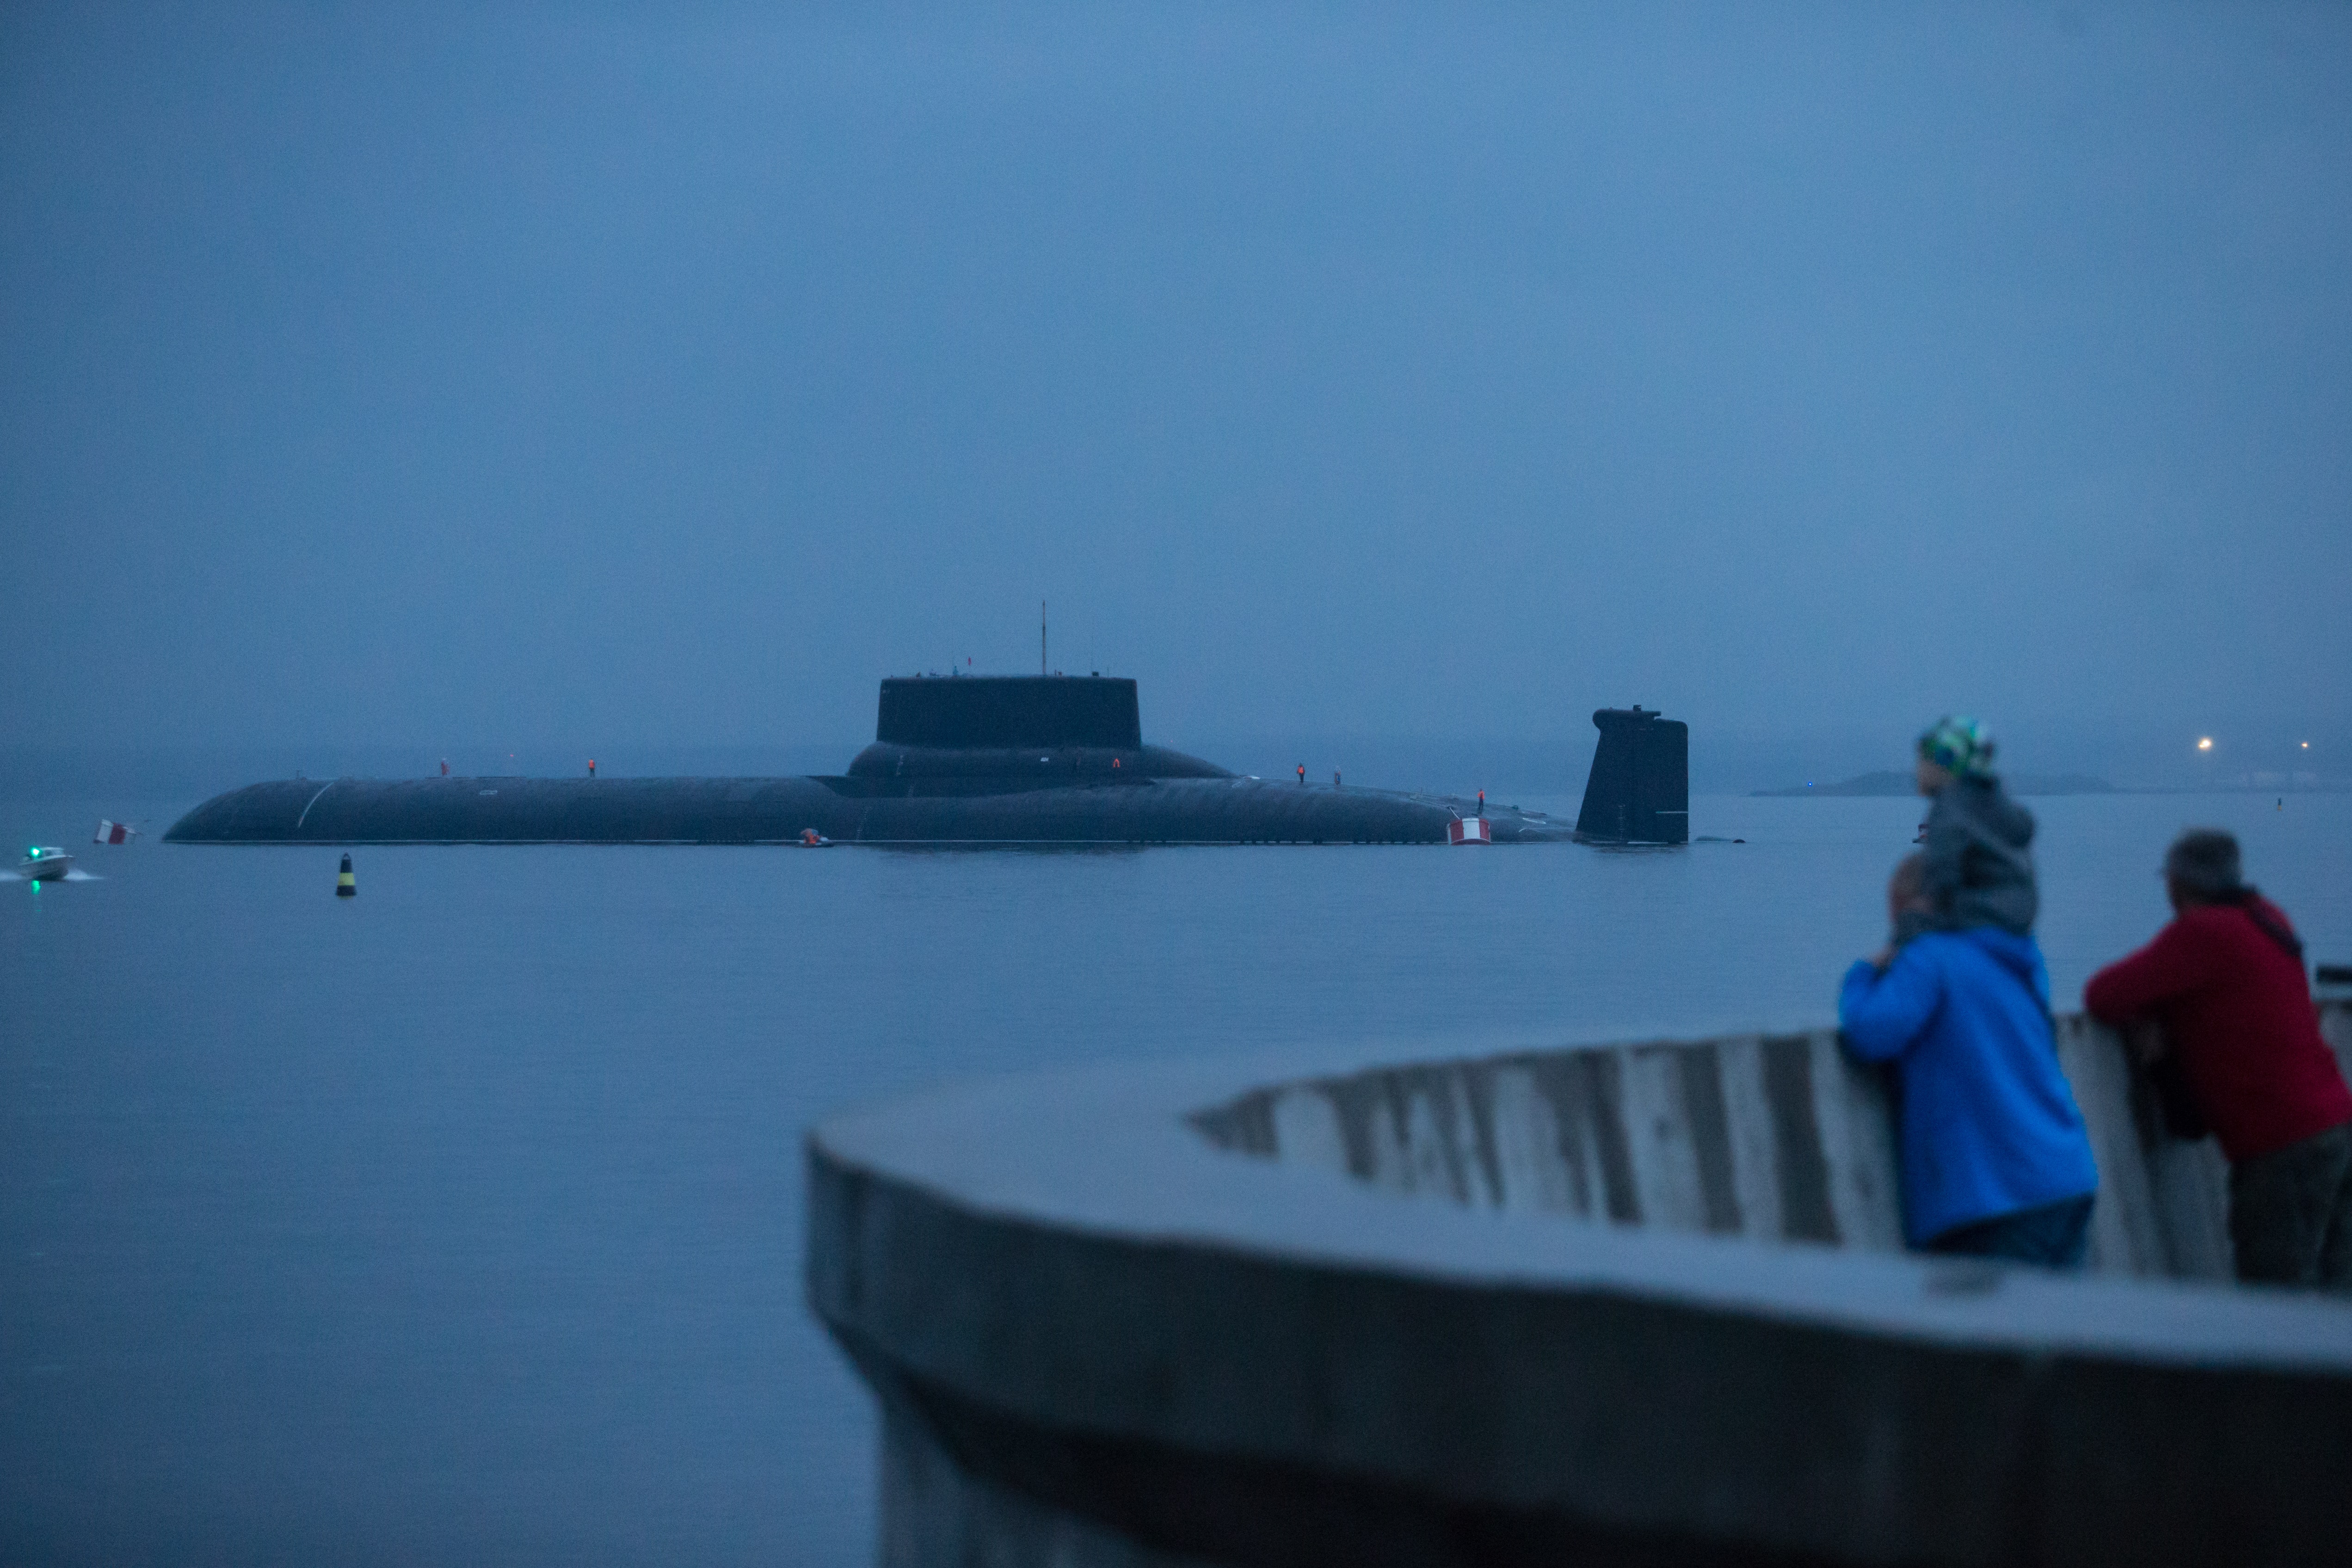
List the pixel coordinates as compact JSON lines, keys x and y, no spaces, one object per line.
{"x":1978,"y":870}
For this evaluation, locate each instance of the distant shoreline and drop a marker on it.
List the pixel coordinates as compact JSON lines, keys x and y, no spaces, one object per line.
{"x":1888,"y":782}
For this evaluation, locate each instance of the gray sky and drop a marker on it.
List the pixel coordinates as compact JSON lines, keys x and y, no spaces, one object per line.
{"x":631,"y":377}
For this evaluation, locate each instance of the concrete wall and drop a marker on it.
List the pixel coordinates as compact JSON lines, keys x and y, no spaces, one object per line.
{"x":1516,"y":1303}
{"x":1779,"y":1137}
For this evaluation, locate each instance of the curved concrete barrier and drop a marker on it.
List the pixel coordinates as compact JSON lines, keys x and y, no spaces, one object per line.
{"x":1639,"y":1305}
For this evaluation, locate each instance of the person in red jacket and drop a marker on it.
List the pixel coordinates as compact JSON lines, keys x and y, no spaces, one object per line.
{"x":2226,"y":981}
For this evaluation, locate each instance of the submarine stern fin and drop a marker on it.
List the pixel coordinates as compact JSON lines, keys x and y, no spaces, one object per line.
{"x":1639,"y":789}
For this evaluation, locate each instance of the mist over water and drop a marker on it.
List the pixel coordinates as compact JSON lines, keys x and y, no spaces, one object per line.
{"x":1384,"y":389}
{"x":577,"y":379}
{"x":461,"y":1221}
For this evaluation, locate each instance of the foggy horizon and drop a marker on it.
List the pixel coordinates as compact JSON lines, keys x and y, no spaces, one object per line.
{"x":583,"y":383}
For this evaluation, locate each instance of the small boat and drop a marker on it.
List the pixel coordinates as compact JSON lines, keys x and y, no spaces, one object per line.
{"x":44,"y":864}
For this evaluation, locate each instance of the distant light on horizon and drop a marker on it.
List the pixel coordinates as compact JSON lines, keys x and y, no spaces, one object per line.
{"x":2206,"y":744}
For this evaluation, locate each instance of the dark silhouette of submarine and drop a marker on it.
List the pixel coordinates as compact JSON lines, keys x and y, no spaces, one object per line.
{"x":972,"y":760}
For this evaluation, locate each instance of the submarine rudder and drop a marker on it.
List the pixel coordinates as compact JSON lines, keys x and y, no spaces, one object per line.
{"x":1639,"y":789}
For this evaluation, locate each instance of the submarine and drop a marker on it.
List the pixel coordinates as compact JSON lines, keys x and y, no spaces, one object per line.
{"x":968,"y":760}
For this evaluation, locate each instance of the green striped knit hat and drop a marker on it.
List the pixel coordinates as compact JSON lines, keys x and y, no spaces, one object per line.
{"x":1958,"y":745}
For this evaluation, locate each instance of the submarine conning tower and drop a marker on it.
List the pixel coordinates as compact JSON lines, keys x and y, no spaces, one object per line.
{"x":1049,"y":727}
{"x":1639,"y":789}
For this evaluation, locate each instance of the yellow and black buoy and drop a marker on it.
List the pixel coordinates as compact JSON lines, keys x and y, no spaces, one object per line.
{"x":346,"y":885}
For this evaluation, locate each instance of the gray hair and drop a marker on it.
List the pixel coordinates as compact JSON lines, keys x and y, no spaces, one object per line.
{"x":2205,"y":862}
{"x":1906,"y":892}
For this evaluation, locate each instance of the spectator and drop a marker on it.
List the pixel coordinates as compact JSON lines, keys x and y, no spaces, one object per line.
{"x":2225,"y":982}
{"x":1994,"y":1157}
{"x":1979,"y":870}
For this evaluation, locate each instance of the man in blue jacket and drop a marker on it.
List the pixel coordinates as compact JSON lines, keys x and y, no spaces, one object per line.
{"x":1996,"y":1162}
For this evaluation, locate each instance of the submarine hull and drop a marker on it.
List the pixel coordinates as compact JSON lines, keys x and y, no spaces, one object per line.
{"x":979,"y":760}
{"x":847,"y":810}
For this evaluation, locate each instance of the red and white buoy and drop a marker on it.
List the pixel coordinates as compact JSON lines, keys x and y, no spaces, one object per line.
{"x":1469,"y":831}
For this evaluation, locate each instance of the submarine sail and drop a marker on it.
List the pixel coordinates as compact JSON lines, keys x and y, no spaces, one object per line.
{"x":1008,"y":710}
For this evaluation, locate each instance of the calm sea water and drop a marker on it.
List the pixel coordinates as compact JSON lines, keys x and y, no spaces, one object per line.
{"x":461,"y":1222}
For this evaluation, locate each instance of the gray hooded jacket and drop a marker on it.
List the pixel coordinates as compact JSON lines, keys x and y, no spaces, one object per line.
{"x":1979,"y":870}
